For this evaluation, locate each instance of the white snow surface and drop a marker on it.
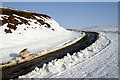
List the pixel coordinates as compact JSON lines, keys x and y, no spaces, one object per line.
{"x":36,"y":40}
{"x":99,"y":60}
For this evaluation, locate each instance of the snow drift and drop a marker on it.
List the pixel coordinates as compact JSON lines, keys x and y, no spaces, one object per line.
{"x":60,"y":65}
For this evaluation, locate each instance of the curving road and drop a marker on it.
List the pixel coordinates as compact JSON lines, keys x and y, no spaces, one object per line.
{"x":23,"y":68}
{"x":102,"y":65}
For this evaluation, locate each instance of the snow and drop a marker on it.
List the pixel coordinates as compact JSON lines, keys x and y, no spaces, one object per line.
{"x":36,"y":40}
{"x":99,"y":60}
{"x":103,"y":65}
{"x":6,"y":16}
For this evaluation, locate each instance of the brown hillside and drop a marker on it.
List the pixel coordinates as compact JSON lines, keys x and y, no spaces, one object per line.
{"x":13,"y":22}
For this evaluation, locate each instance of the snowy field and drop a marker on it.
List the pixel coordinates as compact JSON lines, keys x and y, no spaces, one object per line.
{"x":99,"y":60}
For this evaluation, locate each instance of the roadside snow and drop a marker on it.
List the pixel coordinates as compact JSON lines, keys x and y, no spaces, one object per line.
{"x":102,"y":65}
{"x":83,"y":64}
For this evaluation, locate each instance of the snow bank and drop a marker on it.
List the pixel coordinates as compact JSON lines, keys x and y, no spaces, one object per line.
{"x":102,"y":65}
{"x":56,"y":66}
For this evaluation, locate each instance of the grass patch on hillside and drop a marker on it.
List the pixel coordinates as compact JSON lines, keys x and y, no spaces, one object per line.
{"x":18,"y":11}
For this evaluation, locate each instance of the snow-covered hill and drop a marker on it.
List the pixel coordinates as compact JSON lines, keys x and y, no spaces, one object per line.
{"x":37,"y":32}
{"x":23,"y":26}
